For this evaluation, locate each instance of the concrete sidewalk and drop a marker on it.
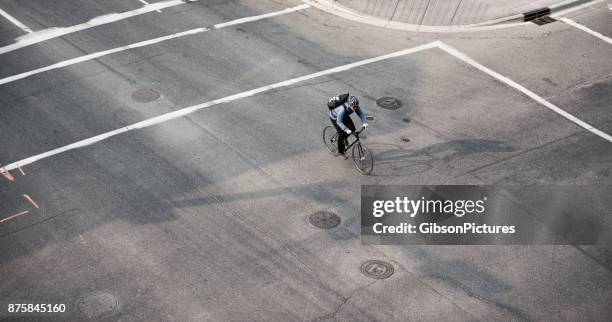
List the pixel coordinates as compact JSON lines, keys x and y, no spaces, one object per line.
{"x":440,"y":12}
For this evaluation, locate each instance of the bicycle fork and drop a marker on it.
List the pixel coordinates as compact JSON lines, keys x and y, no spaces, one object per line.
{"x":361,"y":154}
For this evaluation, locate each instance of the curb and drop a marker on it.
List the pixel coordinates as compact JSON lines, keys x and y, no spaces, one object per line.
{"x":516,"y":20}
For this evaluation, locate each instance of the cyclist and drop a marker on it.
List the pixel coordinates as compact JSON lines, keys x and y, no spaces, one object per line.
{"x":341,"y":119}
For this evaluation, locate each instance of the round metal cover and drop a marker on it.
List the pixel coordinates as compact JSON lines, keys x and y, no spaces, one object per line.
{"x":145,"y":95}
{"x":98,"y":304}
{"x":377,"y":269}
{"x":324,"y":219}
{"x":389,"y":103}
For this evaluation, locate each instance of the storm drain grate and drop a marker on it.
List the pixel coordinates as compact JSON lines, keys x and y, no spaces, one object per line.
{"x":324,"y":219}
{"x":537,"y":13}
{"x":97,"y":305}
{"x":389,"y":103}
{"x":543,"y":20}
{"x":377,"y":269}
{"x":145,"y":95}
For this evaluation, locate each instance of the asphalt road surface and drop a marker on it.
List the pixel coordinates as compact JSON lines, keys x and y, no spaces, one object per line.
{"x":200,"y":212}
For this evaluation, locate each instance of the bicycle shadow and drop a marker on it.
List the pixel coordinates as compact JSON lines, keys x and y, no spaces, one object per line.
{"x":393,"y":160}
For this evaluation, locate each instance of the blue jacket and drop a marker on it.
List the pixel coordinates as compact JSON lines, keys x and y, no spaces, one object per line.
{"x":341,"y":111}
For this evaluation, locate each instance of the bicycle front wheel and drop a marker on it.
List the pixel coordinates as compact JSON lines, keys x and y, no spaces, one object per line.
{"x":364,"y":162}
{"x":330,"y":139}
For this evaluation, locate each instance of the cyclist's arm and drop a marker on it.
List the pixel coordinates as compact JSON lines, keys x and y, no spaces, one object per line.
{"x":339,"y":119}
{"x":361,"y":116}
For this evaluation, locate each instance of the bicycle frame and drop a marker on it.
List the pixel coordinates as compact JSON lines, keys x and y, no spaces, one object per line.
{"x":359,"y":152}
{"x":356,"y":134}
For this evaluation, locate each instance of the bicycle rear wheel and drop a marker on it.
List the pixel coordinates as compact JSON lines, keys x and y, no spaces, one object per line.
{"x":364,"y":162}
{"x":330,"y":139}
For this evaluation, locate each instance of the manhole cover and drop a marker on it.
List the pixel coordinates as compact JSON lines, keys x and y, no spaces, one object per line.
{"x":407,"y":120}
{"x":145,"y":95}
{"x":405,"y":139}
{"x":377,"y":269}
{"x":389,"y":103}
{"x":324,"y":219}
{"x":98,"y":305}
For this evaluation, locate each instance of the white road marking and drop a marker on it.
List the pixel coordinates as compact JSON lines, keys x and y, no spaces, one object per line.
{"x":188,"y":110}
{"x":191,"y":109}
{"x":54,"y":32}
{"x":456,"y":53}
{"x":587,"y":30}
{"x":15,"y":21}
{"x":88,"y":57}
{"x":146,"y":4}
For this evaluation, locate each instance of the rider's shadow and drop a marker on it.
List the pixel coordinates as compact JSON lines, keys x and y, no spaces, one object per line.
{"x":394,"y":160}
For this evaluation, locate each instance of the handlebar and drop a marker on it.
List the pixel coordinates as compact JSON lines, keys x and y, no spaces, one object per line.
{"x":356,"y":133}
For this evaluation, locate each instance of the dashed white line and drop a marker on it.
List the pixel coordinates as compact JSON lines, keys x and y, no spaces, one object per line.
{"x":456,"y":53}
{"x":188,"y":110}
{"x":15,"y":21}
{"x":50,"y":33}
{"x":587,"y":30}
{"x":147,"y":43}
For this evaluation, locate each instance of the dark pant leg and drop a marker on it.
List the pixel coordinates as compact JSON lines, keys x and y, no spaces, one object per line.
{"x":349,"y":123}
{"x":342,"y":136}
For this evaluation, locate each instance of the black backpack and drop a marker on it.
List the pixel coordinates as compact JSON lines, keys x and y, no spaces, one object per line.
{"x":337,"y":101}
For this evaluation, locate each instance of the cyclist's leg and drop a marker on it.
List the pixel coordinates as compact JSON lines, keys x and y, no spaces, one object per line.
{"x":341,"y":136}
{"x":349,"y":123}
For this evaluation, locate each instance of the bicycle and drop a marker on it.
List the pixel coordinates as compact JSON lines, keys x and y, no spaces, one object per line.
{"x":362,"y":158}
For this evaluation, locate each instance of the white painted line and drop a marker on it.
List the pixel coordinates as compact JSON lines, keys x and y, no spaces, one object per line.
{"x":99,"y":54}
{"x":587,"y":30}
{"x":15,"y":21}
{"x":456,"y":53}
{"x":191,"y":109}
{"x":50,"y":33}
{"x":188,"y":110}
{"x":146,"y":4}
